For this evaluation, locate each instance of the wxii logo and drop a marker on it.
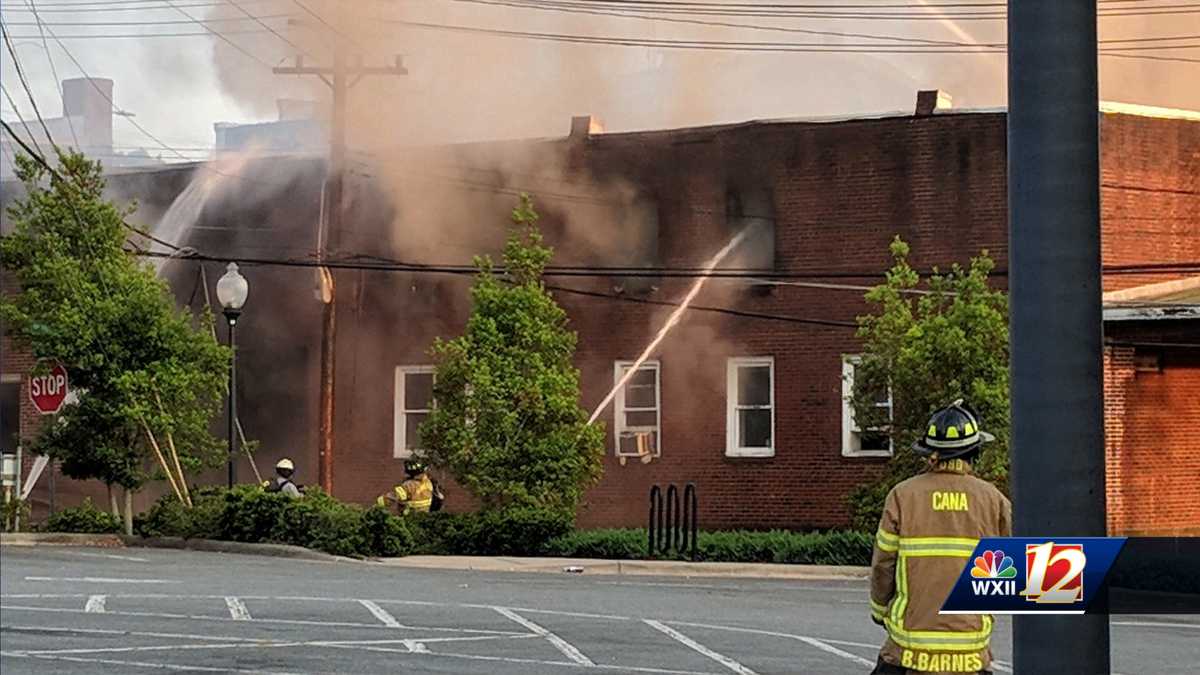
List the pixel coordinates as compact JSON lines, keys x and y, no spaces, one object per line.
{"x":993,"y":574}
{"x":1054,"y":573}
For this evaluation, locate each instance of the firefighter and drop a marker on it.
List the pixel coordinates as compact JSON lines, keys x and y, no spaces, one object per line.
{"x":284,"y":469}
{"x":416,"y":493}
{"x":929,"y":529}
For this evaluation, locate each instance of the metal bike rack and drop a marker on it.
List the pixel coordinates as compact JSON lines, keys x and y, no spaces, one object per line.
{"x":672,"y":524}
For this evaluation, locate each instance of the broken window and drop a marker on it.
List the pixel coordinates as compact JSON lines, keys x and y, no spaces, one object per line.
{"x":754,"y":211}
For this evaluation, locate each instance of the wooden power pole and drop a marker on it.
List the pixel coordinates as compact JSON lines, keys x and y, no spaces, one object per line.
{"x":336,"y":76}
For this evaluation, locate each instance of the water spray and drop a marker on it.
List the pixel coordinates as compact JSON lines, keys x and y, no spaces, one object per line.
{"x":671,"y":320}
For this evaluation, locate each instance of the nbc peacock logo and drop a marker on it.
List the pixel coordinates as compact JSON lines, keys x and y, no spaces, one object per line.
{"x":993,"y":574}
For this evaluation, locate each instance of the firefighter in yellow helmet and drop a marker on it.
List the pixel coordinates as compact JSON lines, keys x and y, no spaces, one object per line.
{"x":929,"y":529}
{"x":284,"y":469}
{"x":416,"y":493}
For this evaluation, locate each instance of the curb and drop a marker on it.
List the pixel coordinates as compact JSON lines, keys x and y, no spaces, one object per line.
{"x":664,"y":568}
{"x":124,"y":541}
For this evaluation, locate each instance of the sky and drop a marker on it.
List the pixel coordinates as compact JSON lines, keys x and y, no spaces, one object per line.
{"x":177,"y":78}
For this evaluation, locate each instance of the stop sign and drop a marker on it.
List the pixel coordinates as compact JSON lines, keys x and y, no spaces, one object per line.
{"x":49,"y":391}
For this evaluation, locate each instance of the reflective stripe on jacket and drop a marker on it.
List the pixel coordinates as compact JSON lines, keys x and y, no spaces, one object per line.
{"x":929,"y":528}
{"x":415,"y":494}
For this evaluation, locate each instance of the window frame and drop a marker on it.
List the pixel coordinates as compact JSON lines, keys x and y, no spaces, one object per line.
{"x":619,"y":408}
{"x":850,"y":427}
{"x":732,"y":449}
{"x":400,"y":412}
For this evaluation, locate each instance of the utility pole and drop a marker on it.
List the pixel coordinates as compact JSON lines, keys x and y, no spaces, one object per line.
{"x":1056,"y":324}
{"x":328,"y":240}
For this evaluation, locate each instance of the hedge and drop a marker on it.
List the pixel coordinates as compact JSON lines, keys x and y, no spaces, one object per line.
{"x":775,"y":546}
{"x":318,"y":521}
{"x":85,"y":519}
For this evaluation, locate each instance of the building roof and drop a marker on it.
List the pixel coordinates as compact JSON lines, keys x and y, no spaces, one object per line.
{"x":1178,"y":299}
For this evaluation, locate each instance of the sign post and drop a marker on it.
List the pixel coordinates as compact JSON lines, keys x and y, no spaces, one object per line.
{"x":48,"y":392}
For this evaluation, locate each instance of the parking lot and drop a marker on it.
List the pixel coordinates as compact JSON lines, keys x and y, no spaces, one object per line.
{"x":127,"y":610}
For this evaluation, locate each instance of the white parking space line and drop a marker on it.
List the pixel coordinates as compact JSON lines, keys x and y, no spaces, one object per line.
{"x":237,"y":609}
{"x":1157,"y":624}
{"x":380,"y":613}
{"x":146,"y":664}
{"x":513,"y":659}
{"x":101,"y":580}
{"x":110,"y":556}
{"x":294,"y":622}
{"x":823,"y":645}
{"x":562,"y":645}
{"x":696,"y":646}
{"x":95,"y":604}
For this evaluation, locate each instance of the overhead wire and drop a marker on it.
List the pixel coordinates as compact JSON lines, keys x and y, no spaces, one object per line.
{"x":53,"y":69}
{"x":12,"y":52}
{"x":218,"y":34}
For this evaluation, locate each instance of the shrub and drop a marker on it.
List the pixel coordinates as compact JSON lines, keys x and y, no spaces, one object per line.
{"x":386,"y":534}
{"x":85,"y":519}
{"x":168,"y":517}
{"x":605,"y":544}
{"x":317,"y":521}
{"x":776,"y":546}
{"x":513,"y":531}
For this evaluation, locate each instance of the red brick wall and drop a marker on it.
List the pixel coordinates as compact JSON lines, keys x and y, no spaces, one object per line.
{"x":840,"y":192}
{"x":1150,"y":194}
{"x":1153,"y":451}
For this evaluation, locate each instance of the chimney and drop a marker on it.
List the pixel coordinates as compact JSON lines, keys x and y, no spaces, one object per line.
{"x":583,"y":126}
{"x":931,"y":101}
{"x":91,"y":100}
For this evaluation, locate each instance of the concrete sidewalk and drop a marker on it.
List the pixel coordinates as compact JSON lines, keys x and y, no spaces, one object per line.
{"x":662,"y":568}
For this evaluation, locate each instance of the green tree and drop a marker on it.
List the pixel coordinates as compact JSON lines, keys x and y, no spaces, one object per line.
{"x":150,"y":380}
{"x":930,"y":346}
{"x":507,"y":422}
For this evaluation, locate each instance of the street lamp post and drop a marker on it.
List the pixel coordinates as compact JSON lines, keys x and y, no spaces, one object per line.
{"x":232,"y":290}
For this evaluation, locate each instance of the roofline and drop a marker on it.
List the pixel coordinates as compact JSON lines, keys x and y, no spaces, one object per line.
{"x":1163,"y":313}
{"x":1151,"y":291}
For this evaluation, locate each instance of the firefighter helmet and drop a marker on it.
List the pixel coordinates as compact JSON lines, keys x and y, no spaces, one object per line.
{"x":285,"y":467}
{"x":413,"y":467}
{"x":953,"y":431}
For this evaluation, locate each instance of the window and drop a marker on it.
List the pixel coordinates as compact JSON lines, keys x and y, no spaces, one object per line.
{"x":638,"y":411}
{"x":750,"y":408}
{"x":855,"y":441}
{"x":414,"y":399}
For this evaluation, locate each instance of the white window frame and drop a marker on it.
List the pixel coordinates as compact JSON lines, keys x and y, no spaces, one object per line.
{"x":401,"y":411}
{"x":851,"y":434}
{"x":619,"y":409}
{"x":731,"y":406}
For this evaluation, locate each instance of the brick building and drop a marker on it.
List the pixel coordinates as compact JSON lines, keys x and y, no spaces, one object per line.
{"x":747,"y":403}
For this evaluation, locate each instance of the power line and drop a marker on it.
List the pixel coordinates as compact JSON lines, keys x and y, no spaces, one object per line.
{"x":53,"y":68}
{"x":218,"y":34}
{"x":570,"y":9}
{"x":17,"y":112}
{"x":25,"y":84}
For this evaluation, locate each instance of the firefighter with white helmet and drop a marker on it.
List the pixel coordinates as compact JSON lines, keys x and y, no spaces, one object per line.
{"x":284,"y":469}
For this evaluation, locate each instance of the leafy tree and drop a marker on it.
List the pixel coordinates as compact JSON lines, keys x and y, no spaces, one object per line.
{"x":931,"y":346}
{"x":507,"y":422}
{"x":150,"y":381}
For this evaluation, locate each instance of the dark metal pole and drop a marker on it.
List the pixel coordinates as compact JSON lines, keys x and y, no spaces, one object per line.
{"x":1054,"y":275}
{"x":232,"y":316}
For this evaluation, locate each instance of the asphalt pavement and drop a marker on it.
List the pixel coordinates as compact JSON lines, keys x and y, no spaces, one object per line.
{"x":77,"y":610}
